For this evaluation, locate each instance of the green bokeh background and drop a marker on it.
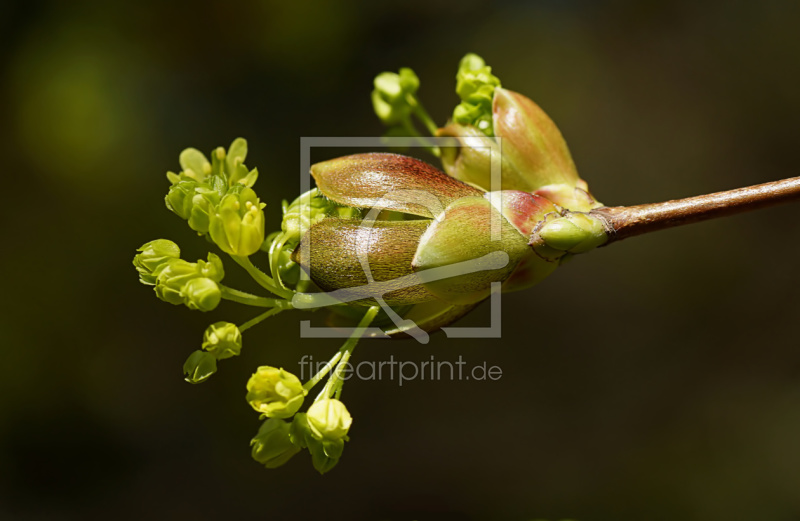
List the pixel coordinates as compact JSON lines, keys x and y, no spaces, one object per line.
{"x":657,"y":379}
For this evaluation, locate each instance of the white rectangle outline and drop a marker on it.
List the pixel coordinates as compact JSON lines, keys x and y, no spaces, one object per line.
{"x":494,"y":329}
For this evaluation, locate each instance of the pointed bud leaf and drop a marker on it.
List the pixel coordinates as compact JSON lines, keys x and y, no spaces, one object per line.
{"x":465,"y":234}
{"x":388,"y":181}
{"x":272,"y":446}
{"x":199,"y":367}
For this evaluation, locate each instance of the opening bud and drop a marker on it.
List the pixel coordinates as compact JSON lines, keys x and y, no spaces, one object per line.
{"x":152,"y":255}
{"x":223,"y":340}
{"x":274,"y":392}
{"x":237,"y":224}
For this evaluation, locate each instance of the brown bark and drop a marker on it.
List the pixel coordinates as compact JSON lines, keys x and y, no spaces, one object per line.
{"x":628,"y":221}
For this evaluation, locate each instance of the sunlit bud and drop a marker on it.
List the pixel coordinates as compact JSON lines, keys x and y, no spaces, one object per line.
{"x":272,"y":446}
{"x":152,"y":255}
{"x":275,"y":392}
{"x":199,"y":367}
{"x":223,"y":340}
{"x":237,"y":224}
{"x":201,"y":294}
{"x":329,"y":419}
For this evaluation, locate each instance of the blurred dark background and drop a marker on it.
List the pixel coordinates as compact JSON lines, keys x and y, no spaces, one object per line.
{"x":657,"y":379}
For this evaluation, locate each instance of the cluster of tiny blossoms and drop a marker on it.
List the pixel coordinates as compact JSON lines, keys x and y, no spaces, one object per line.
{"x":217,"y":200}
{"x":389,"y":238}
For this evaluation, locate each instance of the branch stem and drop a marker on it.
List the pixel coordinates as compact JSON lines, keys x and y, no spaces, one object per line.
{"x":628,"y":221}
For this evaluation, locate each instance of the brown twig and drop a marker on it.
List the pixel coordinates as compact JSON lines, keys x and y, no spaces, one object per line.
{"x":628,"y":221}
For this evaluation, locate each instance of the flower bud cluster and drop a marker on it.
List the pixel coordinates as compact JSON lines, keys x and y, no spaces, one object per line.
{"x":216,"y":197}
{"x":191,"y":283}
{"x":394,"y":96}
{"x":278,"y":395}
{"x":475,"y":85}
{"x":274,"y":392}
{"x":152,"y":255}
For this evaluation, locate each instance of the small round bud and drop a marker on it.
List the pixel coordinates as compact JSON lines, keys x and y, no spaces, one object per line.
{"x":329,"y":420}
{"x":201,"y":294}
{"x":223,"y":340}
{"x":574,"y":233}
{"x":272,"y":446}
{"x":199,"y":367}
{"x":152,"y":256}
{"x":275,"y":392}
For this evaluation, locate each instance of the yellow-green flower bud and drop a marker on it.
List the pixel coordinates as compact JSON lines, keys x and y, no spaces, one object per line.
{"x":202,"y":294}
{"x":307,"y":210}
{"x":152,"y":256}
{"x":237,"y":224}
{"x":475,"y":85}
{"x":212,"y":269}
{"x":171,"y":277}
{"x":272,"y":446}
{"x":393,"y":95}
{"x":329,"y":420}
{"x":180,"y":196}
{"x":324,"y":454}
{"x":199,"y":367}
{"x":223,"y":340}
{"x":274,"y":392}
{"x":203,"y":203}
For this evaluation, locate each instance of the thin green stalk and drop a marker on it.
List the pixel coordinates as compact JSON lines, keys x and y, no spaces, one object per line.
{"x":263,"y":316}
{"x":262,"y":278}
{"x":335,"y":382}
{"x":324,"y":371}
{"x":249,"y":299}
{"x":424,"y":117}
